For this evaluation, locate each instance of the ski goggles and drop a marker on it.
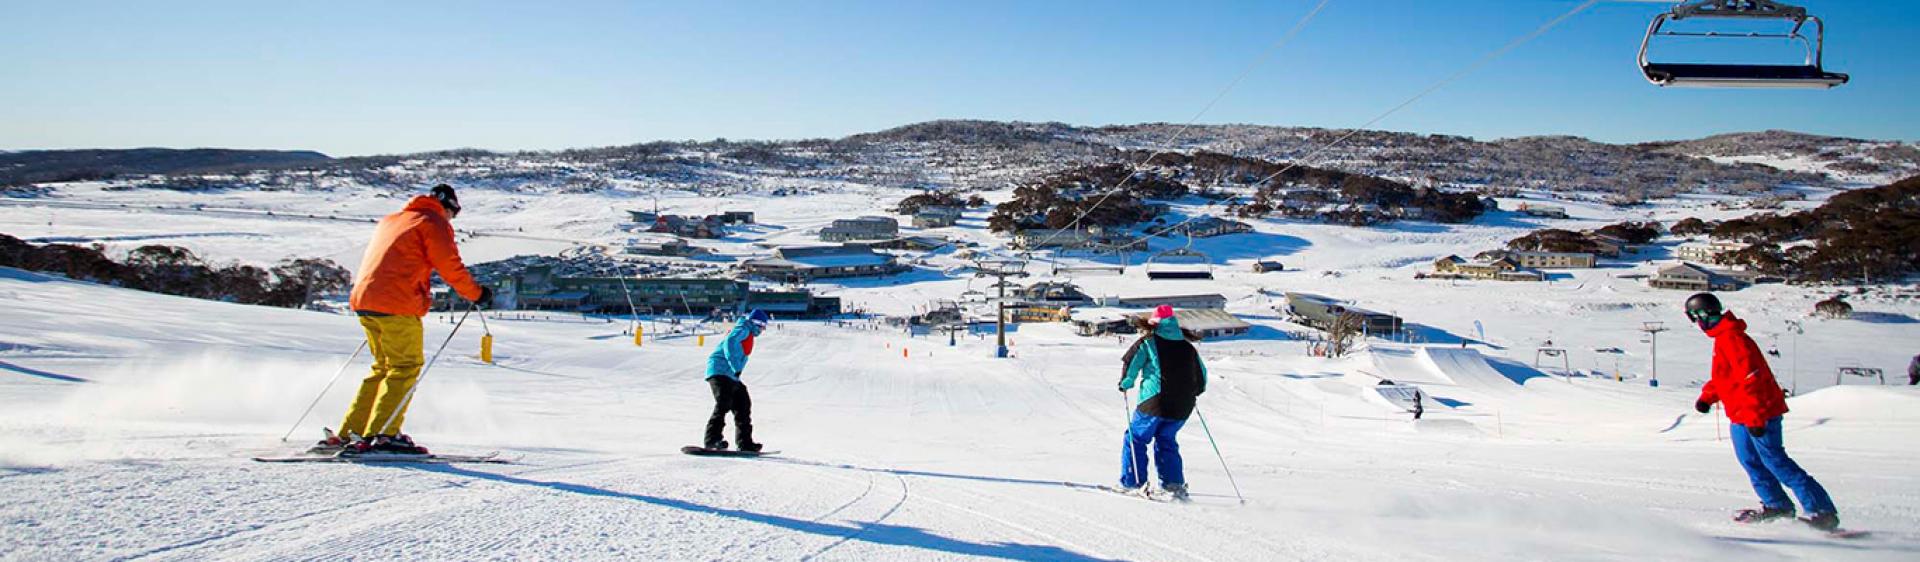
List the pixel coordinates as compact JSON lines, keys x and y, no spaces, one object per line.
{"x":1708,"y":316}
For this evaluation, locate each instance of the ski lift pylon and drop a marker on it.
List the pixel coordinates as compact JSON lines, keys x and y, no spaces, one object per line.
{"x":1809,"y":74}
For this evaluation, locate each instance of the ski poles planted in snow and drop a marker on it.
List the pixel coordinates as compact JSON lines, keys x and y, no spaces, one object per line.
{"x":422,"y":377}
{"x":1216,"y":453}
{"x":323,"y":391}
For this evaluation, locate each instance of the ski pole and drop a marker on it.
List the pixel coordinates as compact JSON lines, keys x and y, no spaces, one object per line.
{"x":1216,"y":453}
{"x":408,"y":399}
{"x":323,"y":391}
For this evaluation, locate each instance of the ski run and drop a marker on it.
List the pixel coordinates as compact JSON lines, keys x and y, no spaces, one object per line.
{"x":128,"y":420}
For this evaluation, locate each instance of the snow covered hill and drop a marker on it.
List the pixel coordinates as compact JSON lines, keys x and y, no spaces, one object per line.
{"x":128,"y":418}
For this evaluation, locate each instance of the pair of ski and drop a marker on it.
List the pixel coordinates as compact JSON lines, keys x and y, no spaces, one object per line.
{"x":1144,"y":493}
{"x":491,"y":457}
{"x":384,"y":457}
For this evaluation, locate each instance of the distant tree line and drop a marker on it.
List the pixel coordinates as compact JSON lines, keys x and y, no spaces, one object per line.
{"x":1109,"y":195}
{"x":914,"y":203}
{"x":1861,"y":234}
{"x":173,"y":270}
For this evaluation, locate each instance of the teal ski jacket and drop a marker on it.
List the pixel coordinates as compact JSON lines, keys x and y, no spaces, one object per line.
{"x":730,"y":358}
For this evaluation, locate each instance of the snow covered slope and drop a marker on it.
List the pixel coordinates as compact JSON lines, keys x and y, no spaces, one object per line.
{"x":126,"y":419}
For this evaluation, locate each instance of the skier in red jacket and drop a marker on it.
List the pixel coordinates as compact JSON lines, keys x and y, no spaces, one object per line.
{"x":1754,"y":403}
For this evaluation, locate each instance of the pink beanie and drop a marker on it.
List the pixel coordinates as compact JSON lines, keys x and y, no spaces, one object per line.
{"x":1163,"y":312}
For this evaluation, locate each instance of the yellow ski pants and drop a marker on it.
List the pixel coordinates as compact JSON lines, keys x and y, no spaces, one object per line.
{"x":396,"y":344}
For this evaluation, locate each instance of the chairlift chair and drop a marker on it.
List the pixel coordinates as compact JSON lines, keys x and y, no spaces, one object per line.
{"x":1090,"y":270}
{"x":1809,"y":74}
{"x":1180,"y":263}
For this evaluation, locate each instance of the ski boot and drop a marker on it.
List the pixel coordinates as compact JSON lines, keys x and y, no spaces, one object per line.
{"x":751,"y":447}
{"x":331,"y":445}
{"x":1177,"y":491}
{"x":1762,"y":515}
{"x":392,"y":445}
{"x":1828,"y":521}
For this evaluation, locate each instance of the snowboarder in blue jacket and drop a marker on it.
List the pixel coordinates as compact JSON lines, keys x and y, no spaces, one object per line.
{"x":724,"y":367}
{"x":1171,"y":378}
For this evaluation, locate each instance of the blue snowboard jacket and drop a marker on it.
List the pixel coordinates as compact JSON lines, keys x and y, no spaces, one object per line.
{"x":729,"y":358}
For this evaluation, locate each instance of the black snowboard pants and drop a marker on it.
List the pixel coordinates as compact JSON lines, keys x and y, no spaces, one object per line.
{"x":730,"y":395}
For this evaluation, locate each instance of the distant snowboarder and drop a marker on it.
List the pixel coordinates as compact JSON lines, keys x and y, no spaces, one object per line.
{"x":724,"y":367}
{"x":1754,"y":403}
{"x":390,"y":295}
{"x":1171,"y":377}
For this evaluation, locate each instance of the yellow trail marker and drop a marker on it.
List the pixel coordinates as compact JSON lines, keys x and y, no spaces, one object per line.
{"x":486,"y":348}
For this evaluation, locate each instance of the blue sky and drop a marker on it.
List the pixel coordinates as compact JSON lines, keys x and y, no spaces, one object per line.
{"x":351,"y":78}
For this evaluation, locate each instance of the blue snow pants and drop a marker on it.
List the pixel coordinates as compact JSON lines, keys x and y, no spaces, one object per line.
{"x":1768,"y":466}
{"x":1159,"y":432}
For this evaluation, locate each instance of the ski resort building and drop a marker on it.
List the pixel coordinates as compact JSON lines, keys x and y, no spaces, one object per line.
{"x":1502,"y":269}
{"x":1211,"y":322}
{"x":1707,"y":252}
{"x":794,"y":304}
{"x":1689,"y":277}
{"x":936,"y":217}
{"x":1090,"y":239}
{"x":863,"y":228}
{"x":1211,"y":300}
{"x":1268,"y":266}
{"x":1321,"y":312}
{"x":802,"y":264}
{"x":1210,"y":226}
{"x":1544,"y":211}
{"x":654,"y":295}
{"x":1543,"y":260}
{"x":1054,"y":292}
{"x":671,"y":247}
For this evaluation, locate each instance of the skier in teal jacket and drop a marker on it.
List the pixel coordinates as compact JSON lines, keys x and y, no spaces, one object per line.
{"x":724,"y":367}
{"x":1171,"y":377}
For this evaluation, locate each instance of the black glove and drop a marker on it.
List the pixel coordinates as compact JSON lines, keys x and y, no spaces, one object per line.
{"x":486,"y":298}
{"x":1124,"y":389}
{"x":1702,"y":406}
{"x":1757,"y":430}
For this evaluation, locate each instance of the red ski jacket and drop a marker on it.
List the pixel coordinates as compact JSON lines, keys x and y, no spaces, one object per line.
{"x":1741,"y":379}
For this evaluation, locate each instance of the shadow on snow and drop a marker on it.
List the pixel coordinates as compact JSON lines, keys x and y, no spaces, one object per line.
{"x":868,"y":532}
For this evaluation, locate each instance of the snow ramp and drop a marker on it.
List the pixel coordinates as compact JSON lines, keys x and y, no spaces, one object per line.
{"x":1465,"y":367}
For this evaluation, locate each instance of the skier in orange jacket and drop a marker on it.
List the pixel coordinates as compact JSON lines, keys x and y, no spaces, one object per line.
{"x":390,"y":295}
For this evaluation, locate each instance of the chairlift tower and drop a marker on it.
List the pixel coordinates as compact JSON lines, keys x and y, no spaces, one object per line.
{"x":1000,"y":269}
{"x":1653,"y":330}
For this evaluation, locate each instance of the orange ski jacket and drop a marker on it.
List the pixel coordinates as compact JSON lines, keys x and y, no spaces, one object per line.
{"x":407,"y":248}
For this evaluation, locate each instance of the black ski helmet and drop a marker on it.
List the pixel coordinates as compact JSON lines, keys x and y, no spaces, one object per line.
{"x":1704,"y":309}
{"x":1704,"y":302}
{"x":444,"y":194}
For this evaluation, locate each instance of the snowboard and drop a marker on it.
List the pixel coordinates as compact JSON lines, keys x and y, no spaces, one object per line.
{"x":705,"y":452}
{"x":375,"y":457}
{"x":1841,"y":533}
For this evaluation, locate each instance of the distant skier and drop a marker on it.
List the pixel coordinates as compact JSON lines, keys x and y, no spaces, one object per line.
{"x":390,"y":295}
{"x":1754,"y":403}
{"x":1913,"y":371}
{"x":724,"y":368}
{"x":1171,"y":377}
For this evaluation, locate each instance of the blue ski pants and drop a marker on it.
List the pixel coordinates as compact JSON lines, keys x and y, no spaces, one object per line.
{"x":1768,"y":466}
{"x":1159,"y":432}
